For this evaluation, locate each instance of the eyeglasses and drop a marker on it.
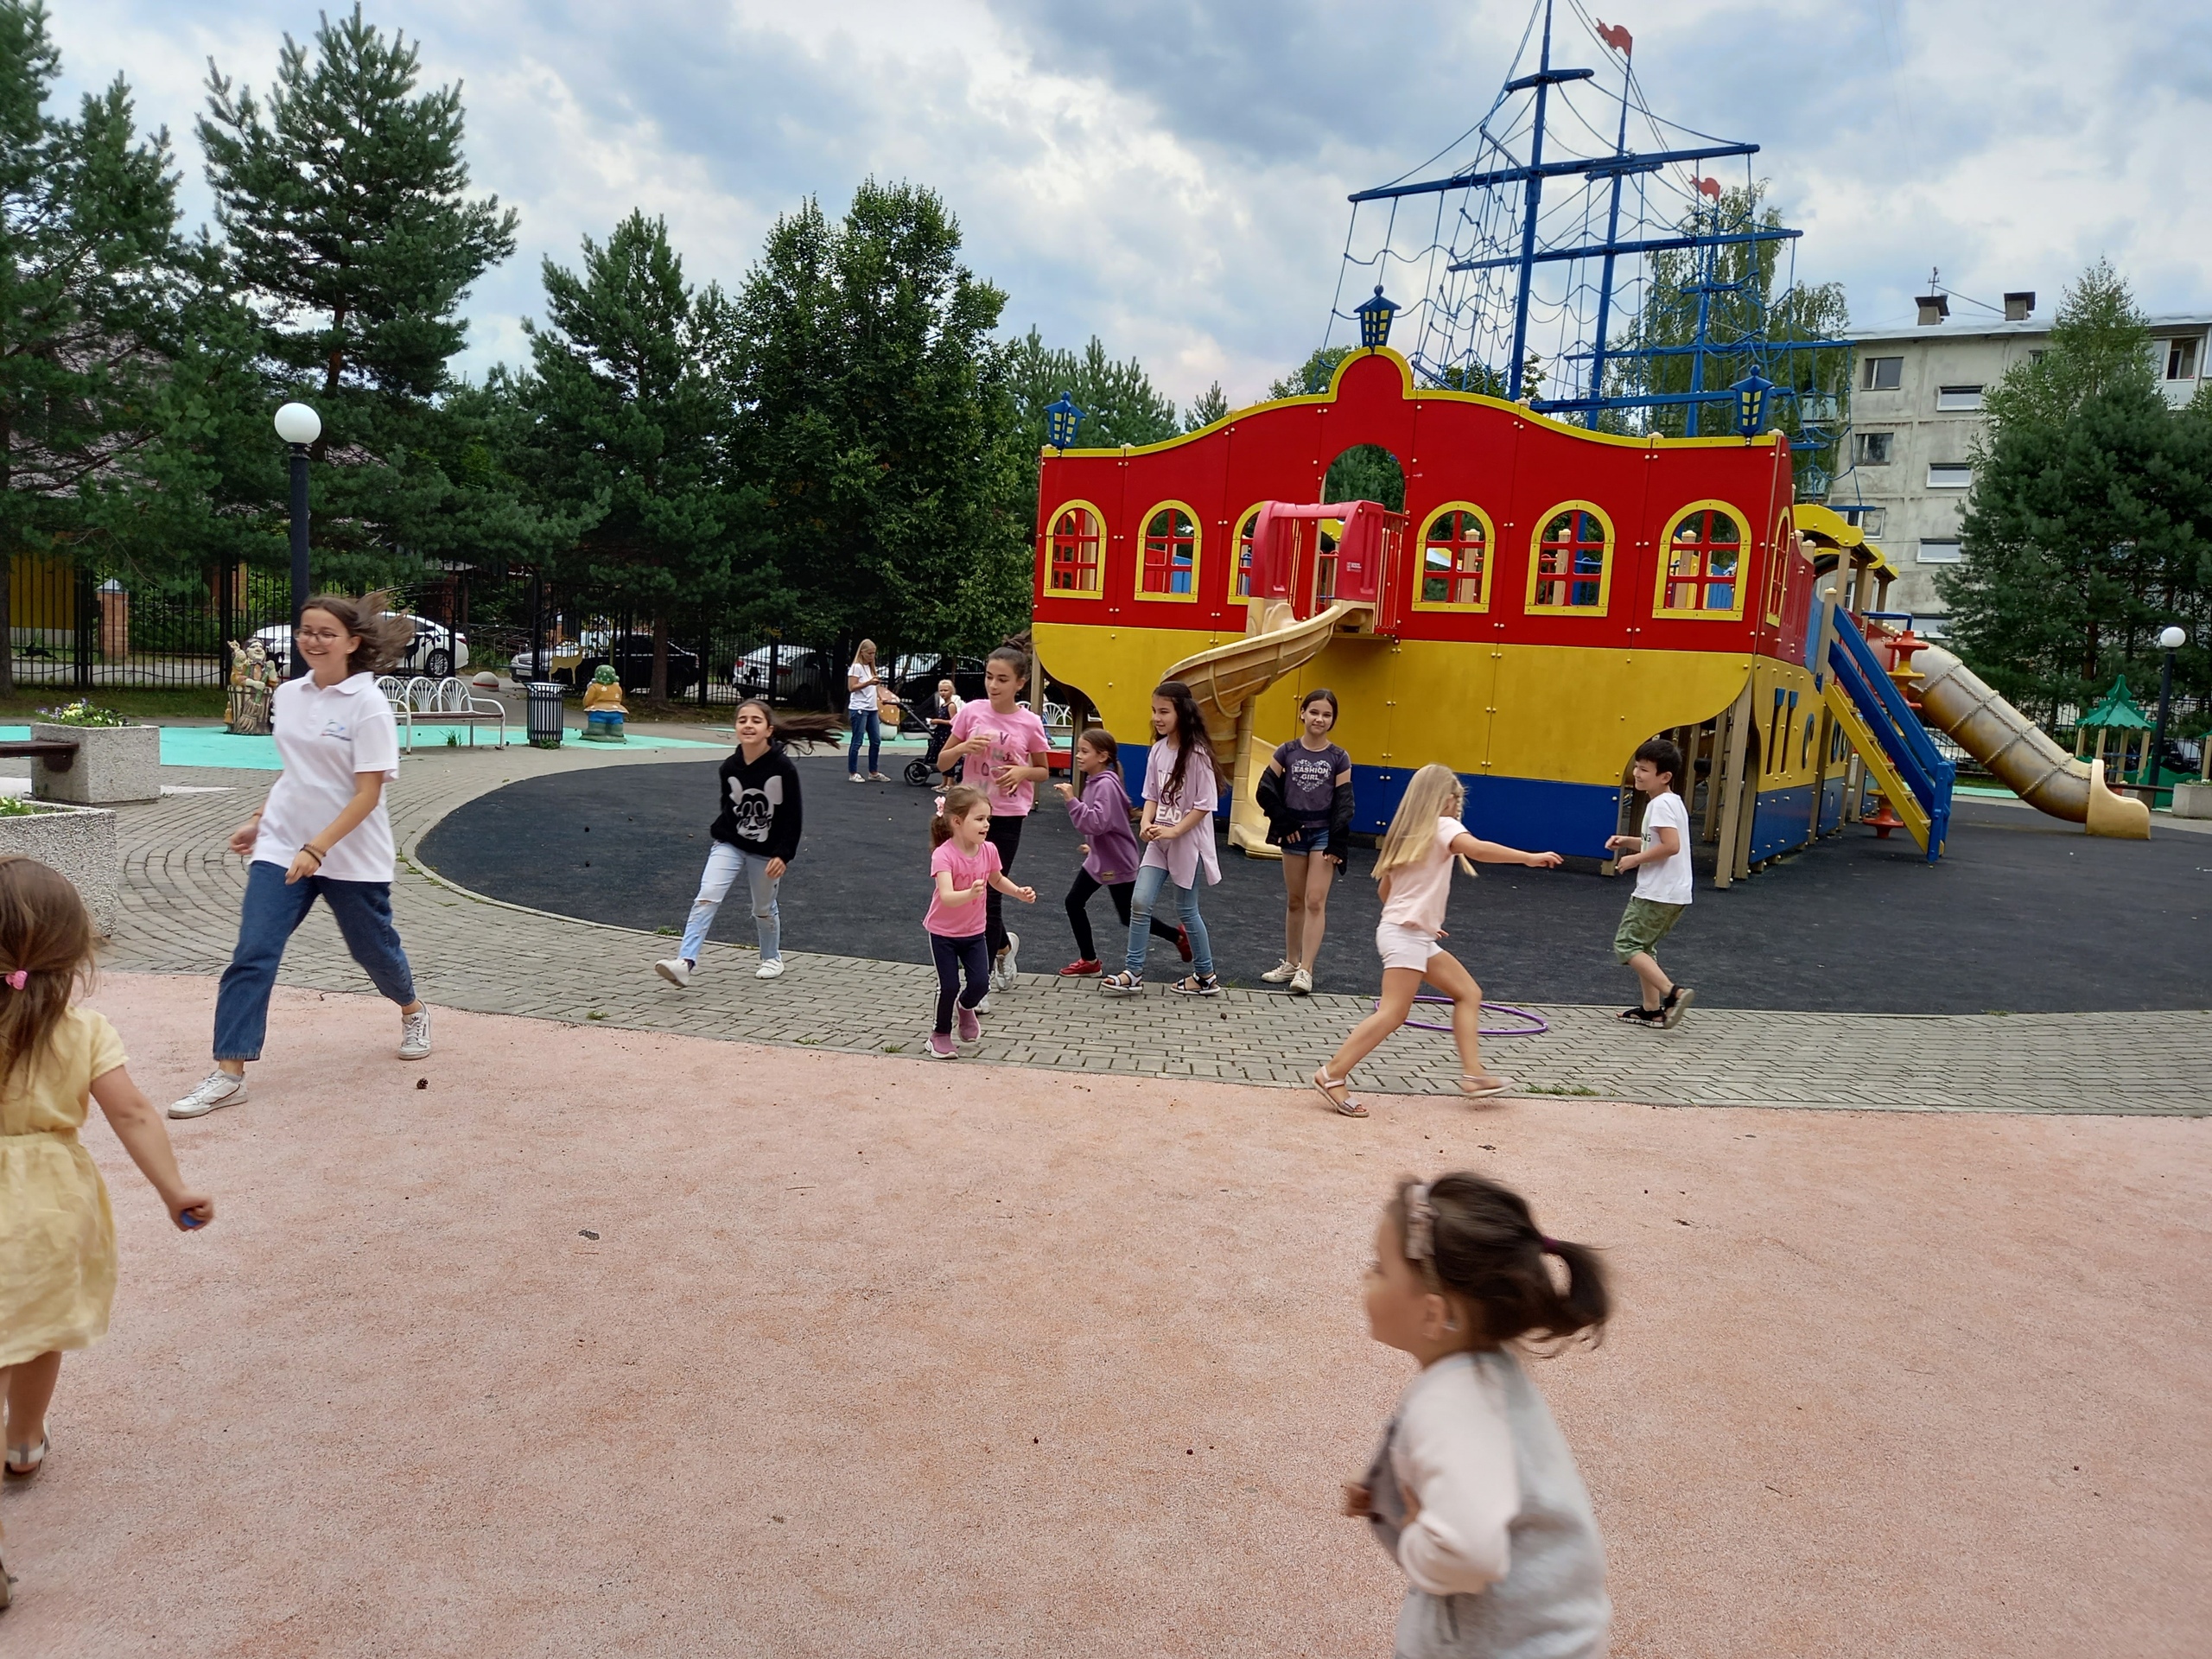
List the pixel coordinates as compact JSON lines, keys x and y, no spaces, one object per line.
{"x":320,"y":633}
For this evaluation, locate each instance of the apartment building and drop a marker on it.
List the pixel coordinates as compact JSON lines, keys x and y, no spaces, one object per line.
{"x":1915,"y":411}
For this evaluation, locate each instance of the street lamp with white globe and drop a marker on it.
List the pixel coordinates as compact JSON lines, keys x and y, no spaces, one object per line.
{"x":2171,"y":641}
{"x":299,"y":426}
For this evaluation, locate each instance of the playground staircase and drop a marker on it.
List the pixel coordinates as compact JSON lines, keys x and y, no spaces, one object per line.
{"x":1916,"y":781}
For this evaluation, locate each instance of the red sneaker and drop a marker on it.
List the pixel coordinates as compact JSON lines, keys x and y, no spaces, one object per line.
{"x":1183,"y":943}
{"x":1081,"y":968}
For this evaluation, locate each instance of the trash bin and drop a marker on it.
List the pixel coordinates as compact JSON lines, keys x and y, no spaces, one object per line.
{"x":546,"y":727}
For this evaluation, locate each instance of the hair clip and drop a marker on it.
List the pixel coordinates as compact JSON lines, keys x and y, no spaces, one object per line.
{"x":1421,"y":1223}
{"x":19,"y":978}
{"x":1550,"y":1246}
{"x":940,"y":806}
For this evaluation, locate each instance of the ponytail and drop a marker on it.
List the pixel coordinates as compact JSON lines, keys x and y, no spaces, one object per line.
{"x":805,"y":730}
{"x":1477,"y":1240}
{"x":956,"y":803}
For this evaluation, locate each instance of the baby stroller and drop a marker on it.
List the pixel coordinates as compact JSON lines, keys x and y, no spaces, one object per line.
{"x":922,"y":772}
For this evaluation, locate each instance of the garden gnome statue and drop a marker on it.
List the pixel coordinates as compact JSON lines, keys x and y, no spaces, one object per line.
{"x":603,"y":709}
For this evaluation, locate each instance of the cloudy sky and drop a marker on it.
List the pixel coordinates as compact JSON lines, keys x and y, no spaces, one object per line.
{"x":1171,"y":174}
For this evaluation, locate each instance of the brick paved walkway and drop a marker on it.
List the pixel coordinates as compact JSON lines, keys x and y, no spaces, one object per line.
{"x":181,"y":908}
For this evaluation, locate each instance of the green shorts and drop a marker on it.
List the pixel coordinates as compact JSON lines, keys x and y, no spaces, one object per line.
{"x":1643,"y":924}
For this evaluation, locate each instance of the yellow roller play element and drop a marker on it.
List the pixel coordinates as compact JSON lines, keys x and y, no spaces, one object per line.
{"x":1954,"y":699}
{"x":1226,"y":679}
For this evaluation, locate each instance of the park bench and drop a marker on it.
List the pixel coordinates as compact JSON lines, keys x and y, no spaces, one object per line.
{"x":58,"y":755}
{"x":422,"y":700}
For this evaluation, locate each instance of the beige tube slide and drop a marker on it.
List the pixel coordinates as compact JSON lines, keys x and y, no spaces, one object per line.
{"x":1954,"y":699}
{"x":1225,"y":679}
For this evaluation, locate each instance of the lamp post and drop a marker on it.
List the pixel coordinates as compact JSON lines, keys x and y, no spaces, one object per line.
{"x":1375,"y":314}
{"x":2170,"y":641}
{"x":299,"y":426}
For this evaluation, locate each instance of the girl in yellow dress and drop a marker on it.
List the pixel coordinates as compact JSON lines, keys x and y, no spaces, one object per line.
{"x":57,"y":1234}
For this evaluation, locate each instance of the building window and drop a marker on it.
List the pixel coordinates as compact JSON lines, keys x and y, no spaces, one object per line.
{"x":1171,"y":554}
{"x":1958,"y":399}
{"x":1866,"y":520}
{"x":1573,"y":566}
{"x":1941,"y":552}
{"x":1871,"y":448}
{"x":1245,"y":532}
{"x":1882,"y":374}
{"x":1077,"y":534}
{"x":2181,"y":359}
{"x":1455,"y":560}
{"x":1704,"y":559}
{"x":1949,"y":476}
{"x":2035,"y":357}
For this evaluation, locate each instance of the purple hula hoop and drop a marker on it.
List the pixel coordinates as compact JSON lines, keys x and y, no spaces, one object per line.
{"x":1536,"y":1025}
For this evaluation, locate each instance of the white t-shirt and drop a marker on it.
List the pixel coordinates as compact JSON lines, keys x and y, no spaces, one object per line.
{"x":324,"y":737}
{"x":862,"y":699}
{"x":1418,"y":891}
{"x":1666,"y":880}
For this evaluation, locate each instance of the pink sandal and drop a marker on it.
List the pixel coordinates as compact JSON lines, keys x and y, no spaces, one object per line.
{"x":1329,"y":1086}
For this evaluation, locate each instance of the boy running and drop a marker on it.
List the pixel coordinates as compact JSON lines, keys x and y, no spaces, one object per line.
{"x":1661,"y":859}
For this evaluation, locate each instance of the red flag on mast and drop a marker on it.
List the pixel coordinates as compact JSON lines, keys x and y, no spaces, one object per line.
{"x":1616,"y":38}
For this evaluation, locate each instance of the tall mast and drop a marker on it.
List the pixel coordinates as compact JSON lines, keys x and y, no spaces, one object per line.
{"x":1532,"y":199}
{"x":1612,"y":242}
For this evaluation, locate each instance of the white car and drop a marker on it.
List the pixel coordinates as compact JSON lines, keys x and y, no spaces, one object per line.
{"x":437,"y":650}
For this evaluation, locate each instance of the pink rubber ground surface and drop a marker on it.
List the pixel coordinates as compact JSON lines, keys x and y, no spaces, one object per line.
{"x":882,"y":1357}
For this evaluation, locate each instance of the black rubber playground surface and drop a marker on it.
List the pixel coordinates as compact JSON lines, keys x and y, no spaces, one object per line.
{"x":2024,"y":914}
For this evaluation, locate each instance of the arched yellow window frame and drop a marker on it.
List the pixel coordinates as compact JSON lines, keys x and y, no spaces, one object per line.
{"x":1454,"y":580}
{"x":1690,"y":568}
{"x":1160,"y":553}
{"x":1089,"y":574}
{"x":1240,"y":583}
{"x":1571,"y":579}
{"x":1778,"y":571}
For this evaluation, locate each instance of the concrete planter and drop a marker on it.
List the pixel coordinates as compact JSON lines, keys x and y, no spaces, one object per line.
{"x":78,"y":841}
{"x":112,"y":763}
{"x":2192,"y":801}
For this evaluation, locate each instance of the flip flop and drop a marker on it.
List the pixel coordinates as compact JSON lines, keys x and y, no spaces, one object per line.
{"x":1483,"y":1088}
{"x":1347,"y":1106}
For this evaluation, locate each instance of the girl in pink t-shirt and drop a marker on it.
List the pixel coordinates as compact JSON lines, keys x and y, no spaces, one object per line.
{"x":1002,"y":750}
{"x":1415,"y":868}
{"x":963,"y":866}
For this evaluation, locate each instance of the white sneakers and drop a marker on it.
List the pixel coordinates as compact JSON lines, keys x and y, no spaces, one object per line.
{"x":1003,"y":969}
{"x":414,"y":1034}
{"x":677,"y":971}
{"x":1301,"y":982}
{"x":218,"y":1088}
{"x":1280,"y":974}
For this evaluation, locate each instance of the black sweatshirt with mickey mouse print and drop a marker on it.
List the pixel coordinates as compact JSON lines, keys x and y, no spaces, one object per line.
{"x":760,"y":811}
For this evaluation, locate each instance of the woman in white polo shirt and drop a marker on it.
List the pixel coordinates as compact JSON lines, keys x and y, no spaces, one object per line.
{"x":323,"y":833}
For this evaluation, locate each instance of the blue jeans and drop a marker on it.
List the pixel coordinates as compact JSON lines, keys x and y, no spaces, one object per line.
{"x":870,"y":721}
{"x":724,"y":863}
{"x":273,"y":912}
{"x":1150,"y":879}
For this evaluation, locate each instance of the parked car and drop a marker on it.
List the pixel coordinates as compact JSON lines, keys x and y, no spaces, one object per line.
{"x":915,"y":676}
{"x":437,"y":650}
{"x":572,"y":663}
{"x":803,"y":676}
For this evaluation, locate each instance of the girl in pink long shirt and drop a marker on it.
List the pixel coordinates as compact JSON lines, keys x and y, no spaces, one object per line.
{"x":1101,"y":816}
{"x":1180,"y":794}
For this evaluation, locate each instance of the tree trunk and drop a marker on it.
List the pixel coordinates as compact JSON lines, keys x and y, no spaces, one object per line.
{"x":661,"y":657}
{"x":7,"y":625}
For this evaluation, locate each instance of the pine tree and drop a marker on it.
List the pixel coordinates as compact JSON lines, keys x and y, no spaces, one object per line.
{"x":343,"y":199}
{"x":897,"y":486}
{"x":91,"y":298}
{"x":1120,"y":405}
{"x":2090,"y":527}
{"x":1209,"y":406}
{"x":626,"y":430}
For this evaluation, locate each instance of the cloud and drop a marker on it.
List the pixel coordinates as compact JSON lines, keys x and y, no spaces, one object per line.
{"x":1172,"y":175}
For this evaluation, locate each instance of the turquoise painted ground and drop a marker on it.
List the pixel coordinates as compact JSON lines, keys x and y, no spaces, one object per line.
{"x":210,"y":746}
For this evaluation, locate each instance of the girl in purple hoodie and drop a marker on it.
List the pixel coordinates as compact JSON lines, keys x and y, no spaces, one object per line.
{"x":1101,"y":815}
